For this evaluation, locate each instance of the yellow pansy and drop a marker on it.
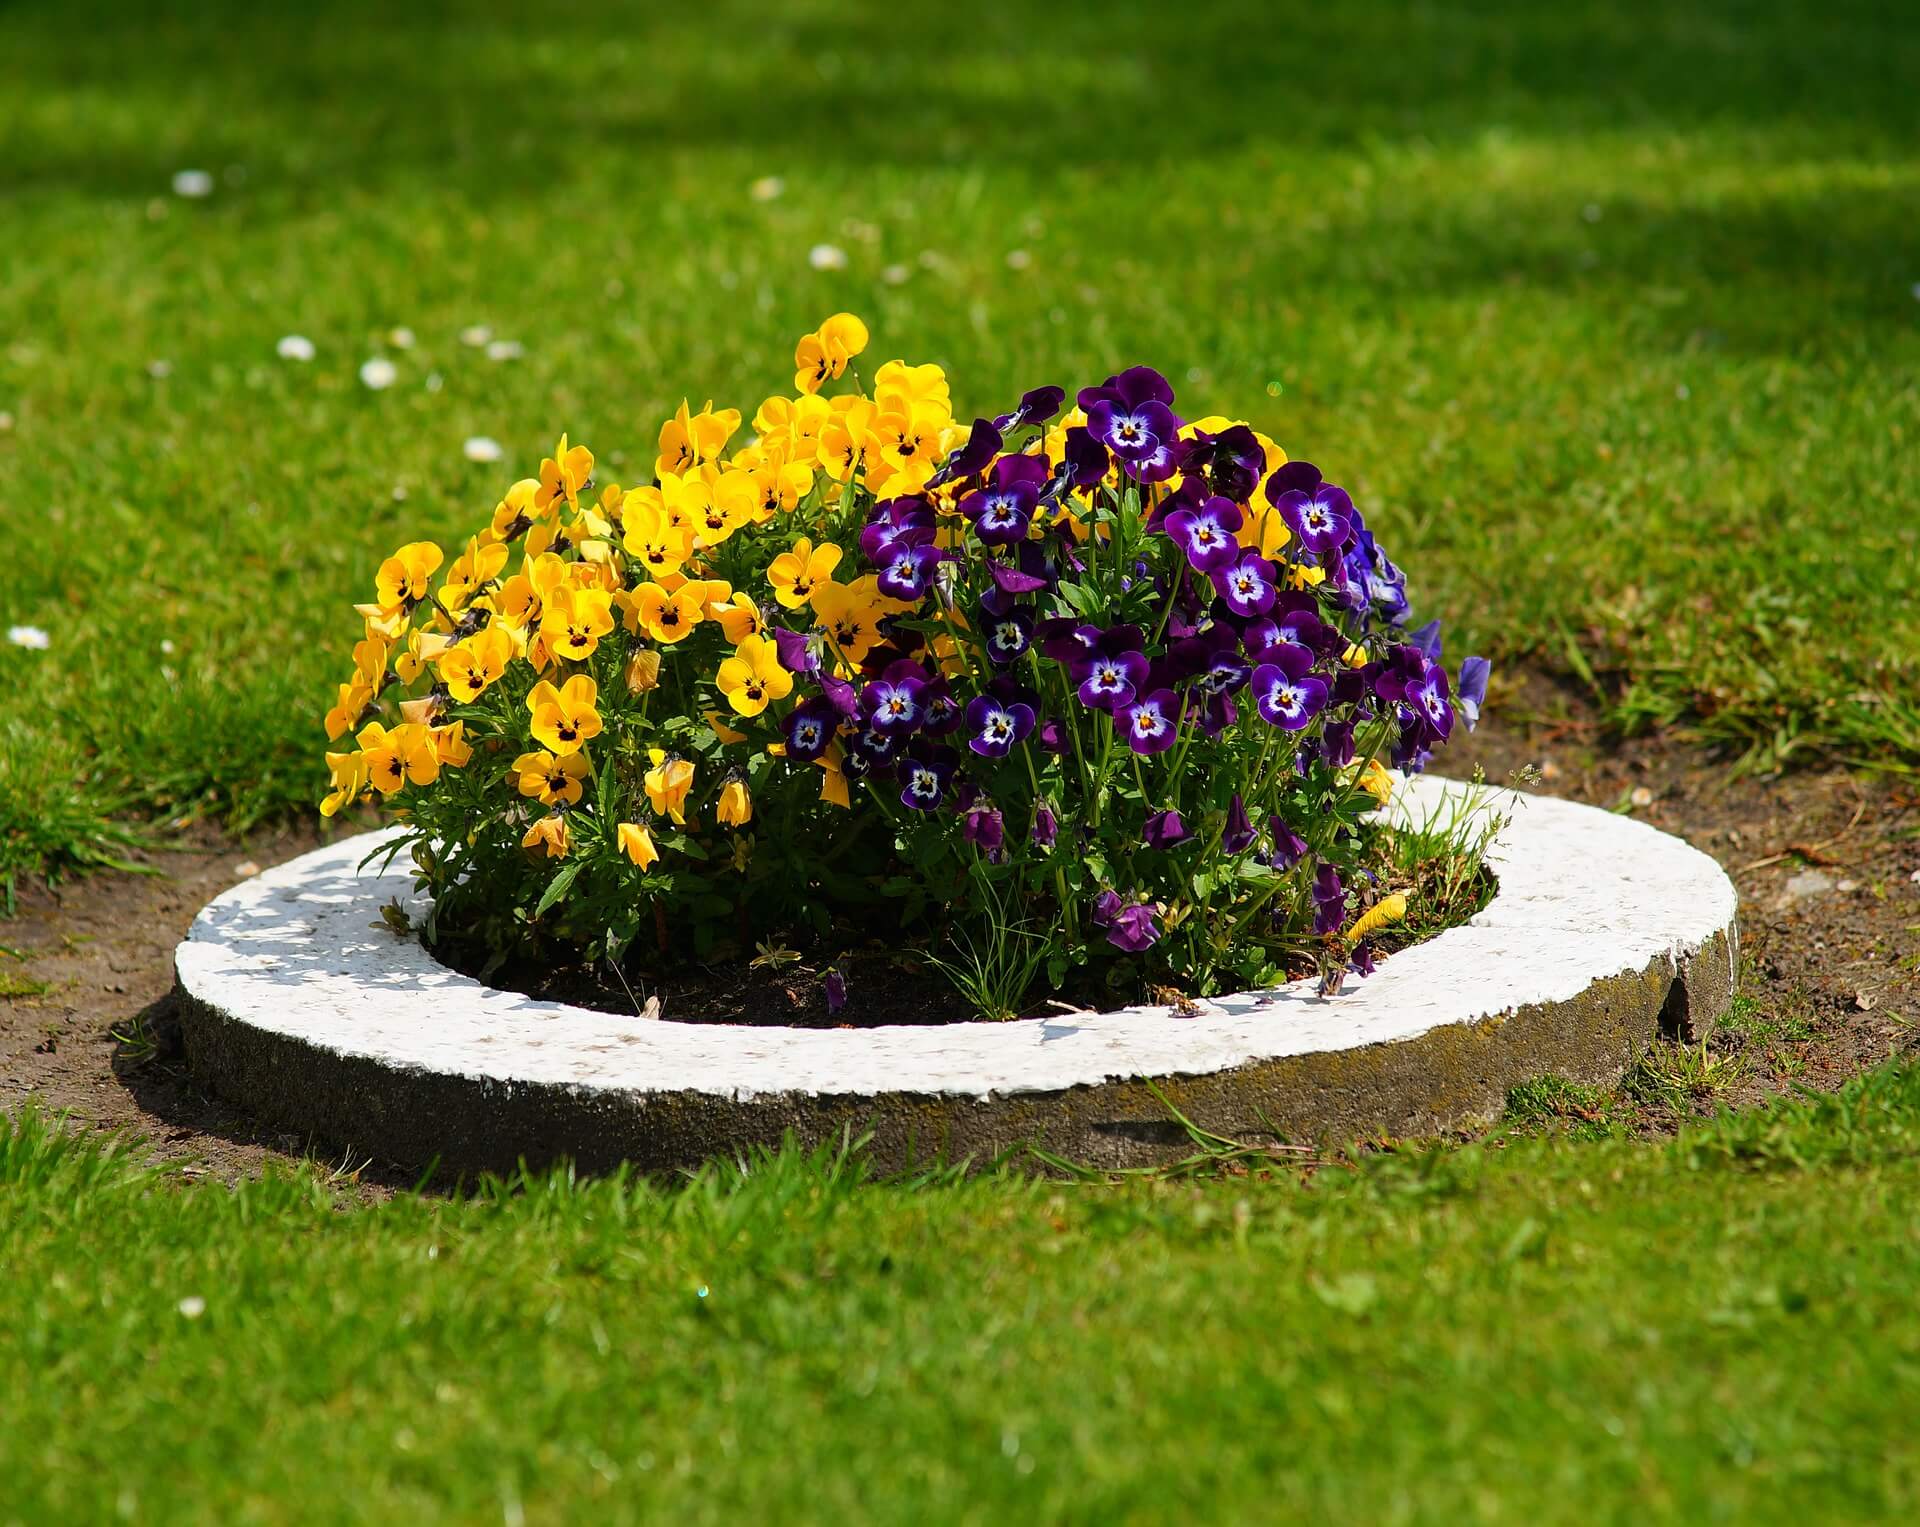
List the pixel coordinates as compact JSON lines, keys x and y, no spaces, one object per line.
{"x":721,"y":730}
{"x":370,"y":661}
{"x":563,"y":475}
{"x":347,"y":772}
{"x":549,"y":835}
{"x":468,"y":667}
{"x":907,"y":439}
{"x":897,"y":383}
{"x":564,"y":719}
{"x":823,"y":355}
{"x":522,"y":599}
{"x":833,"y":788}
{"x":353,"y":698}
{"x":422,"y":648}
{"x":850,"y":616}
{"x":1389,"y":909}
{"x":472,"y":571}
{"x":739,"y":618}
{"x":1263,"y":529}
{"x":395,"y":757}
{"x":667,"y":617}
{"x":637,"y":844}
{"x":574,"y":622}
{"x":450,"y":743}
{"x":735,"y":807}
{"x":843,"y":440}
{"x":516,"y":511}
{"x":667,"y":783}
{"x":549,"y":779}
{"x":795,"y":574}
{"x":691,"y":440}
{"x":651,"y":537}
{"x":1374,"y":778}
{"x":643,"y":671}
{"x":752,"y":678}
{"x":403,"y":578}
{"x":732,"y":502}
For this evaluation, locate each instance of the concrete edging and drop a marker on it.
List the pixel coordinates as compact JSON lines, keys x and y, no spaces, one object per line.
{"x":298,"y":1006}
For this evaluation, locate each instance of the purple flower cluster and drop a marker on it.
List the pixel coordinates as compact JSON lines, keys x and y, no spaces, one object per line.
{"x":1139,"y":640}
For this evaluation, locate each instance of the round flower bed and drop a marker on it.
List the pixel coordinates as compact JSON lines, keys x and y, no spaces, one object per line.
{"x":304,"y":1005}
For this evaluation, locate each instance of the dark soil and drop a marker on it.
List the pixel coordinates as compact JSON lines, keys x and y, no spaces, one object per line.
{"x":882,"y":988}
{"x":1826,"y":862}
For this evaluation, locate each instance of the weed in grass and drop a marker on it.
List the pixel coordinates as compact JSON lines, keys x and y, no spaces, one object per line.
{"x":16,"y":983}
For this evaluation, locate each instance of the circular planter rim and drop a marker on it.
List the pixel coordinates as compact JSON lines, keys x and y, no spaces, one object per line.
{"x":1584,"y":895}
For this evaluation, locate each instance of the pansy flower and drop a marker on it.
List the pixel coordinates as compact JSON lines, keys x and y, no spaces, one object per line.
{"x":1207,"y":534}
{"x":1046,"y":826}
{"x":1112,"y":668}
{"x":983,"y":442}
{"x":565,"y":719}
{"x":563,"y":475}
{"x":549,"y":779}
{"x":1150,"y":722}
{"x":1131,"y":415}
{"x":850,"y":619}
{"x":983,"y":826}
{"x":1164,"y":829}
{"x":1035,"y":407}
{"x":908,"y":571}
{"x":1248,"y":585}
{"x":633,"y":840}
{"x":667,"y":617}
{"x":404,"y":578}
{"x":1002,"y":510}
{"x":892,"y":703}
{"x":1329,"y":900}
{"x":1320,"y":518}
{"x":1472,"y":693}
{"x":809,"y":728}
{"x":1129,"y":923}
{"x":667,"y":783}
{"x":1230,"y":462}
{"x":752,"y":678}
{"x":1286,"y":693}
{"x":796,"y":573}
{"x":995,"y":725}
{"x":574,"y":620}
{"x":1237,"y":836}
{"x":940,"y":712}
{"x":1008,"y":635}
{"x":924,"y":780}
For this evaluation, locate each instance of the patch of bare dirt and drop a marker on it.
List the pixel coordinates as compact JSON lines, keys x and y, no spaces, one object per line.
{"x":1825,"y":861}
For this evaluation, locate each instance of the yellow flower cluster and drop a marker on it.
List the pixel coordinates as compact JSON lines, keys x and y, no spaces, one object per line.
{"x":563,"y":563}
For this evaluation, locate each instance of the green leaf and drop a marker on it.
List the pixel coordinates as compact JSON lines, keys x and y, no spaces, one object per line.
{"x":558,"y":887}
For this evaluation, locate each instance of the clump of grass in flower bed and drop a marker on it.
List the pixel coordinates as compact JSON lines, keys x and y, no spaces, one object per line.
{"x":1099,"y":698}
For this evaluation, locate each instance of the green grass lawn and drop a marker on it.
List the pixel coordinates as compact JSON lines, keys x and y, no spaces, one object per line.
{"x":1606,"y":311}
{"x":1717,"y":1329}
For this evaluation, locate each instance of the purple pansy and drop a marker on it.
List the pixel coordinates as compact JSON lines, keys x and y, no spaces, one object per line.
{"x":1046,"y":827}
{"x":1150,"y":722}
{"x":1206,"y":533}
{"x":994,"y":725}
{"x":1231,"y":462}
{"x":1131,"y":415}
{"x":1134,"y":928}
{"x":799,"y":650}
{"x":1247,"y":585}
{"x":1288,"y":849}
{"x":891,"y":704}
{"x":983,"y":826}
{"x":1036,"y":407}
{"x":1237,"y":836}
{"x":1164,"y":829}
{"x":1286,"y":693}
{"x":1112,"y":668}
{"x":809,"y":728}
{"x":1320,"y":519}
{"x":835,"y":985}
{"x":1472,"y":694}
{"x":924,"y":781}
{"x":1009,"y":635}
{"x":907,"y":572}
{"x":983,"y":441}
{"x":1329,"y":900}
{"x":1002,"y":510}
